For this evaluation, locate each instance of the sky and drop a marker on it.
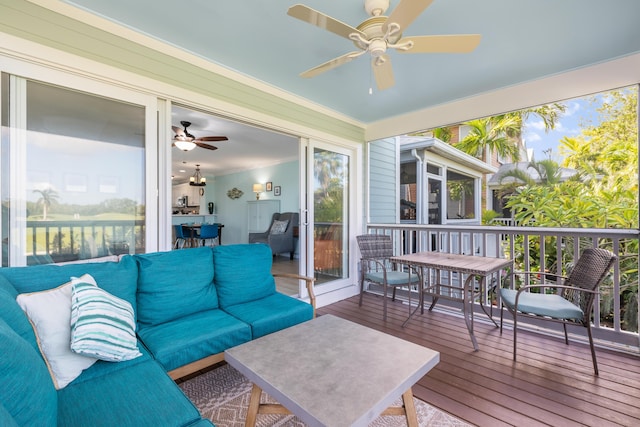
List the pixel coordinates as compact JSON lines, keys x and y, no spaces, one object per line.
{"x":579,"y":111}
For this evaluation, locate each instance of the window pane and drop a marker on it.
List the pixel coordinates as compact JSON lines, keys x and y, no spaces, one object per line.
{"x":408,"y":188}
{"x":81,"y":162}
{"x":331,"y":202}
{"x":460,"y":190}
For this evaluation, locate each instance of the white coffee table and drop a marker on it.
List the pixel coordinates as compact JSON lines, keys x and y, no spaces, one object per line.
{"x":332,"y":372}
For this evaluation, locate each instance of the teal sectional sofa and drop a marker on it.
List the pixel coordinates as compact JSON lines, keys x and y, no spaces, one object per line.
{"x":188,"y":306}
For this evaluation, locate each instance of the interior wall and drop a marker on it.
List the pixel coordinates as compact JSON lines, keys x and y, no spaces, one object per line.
{"x":233,"y":212}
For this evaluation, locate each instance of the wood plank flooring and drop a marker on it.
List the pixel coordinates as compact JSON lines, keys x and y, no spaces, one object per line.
{"x":550,"y":384}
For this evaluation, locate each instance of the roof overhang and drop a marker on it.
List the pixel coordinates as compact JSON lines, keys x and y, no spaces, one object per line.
{"x":447,"y":151}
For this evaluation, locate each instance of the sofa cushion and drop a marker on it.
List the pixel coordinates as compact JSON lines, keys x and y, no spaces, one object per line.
{"x":279,"y":227}
{"x":117,"y":278}
{"x":141,"y":395}
{"x":6,"y":419}
{"x":243,"y":273}
{"x":102,"y":325}
{"x":102,"y":367}
{"x":50,"y":314}
{"x":11,"y":312}
{"x":272,"y":313}
{"x":27,"y":393}
{"x":175,"y":284}
{"x":193,"y":337}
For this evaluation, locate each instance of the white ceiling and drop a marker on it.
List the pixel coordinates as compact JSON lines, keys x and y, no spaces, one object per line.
{"x":248,"y":147}
{"x":522,"y":41}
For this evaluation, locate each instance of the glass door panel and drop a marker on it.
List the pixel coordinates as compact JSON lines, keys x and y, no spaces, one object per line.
{"x":330,"y":215}
{"x":73,"y":173}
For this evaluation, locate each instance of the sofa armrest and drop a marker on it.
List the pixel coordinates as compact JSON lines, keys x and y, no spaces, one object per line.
{"x":309,"y":282}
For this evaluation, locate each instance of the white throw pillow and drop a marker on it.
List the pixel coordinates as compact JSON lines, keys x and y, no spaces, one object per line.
{"x":102,"y":325}
{"x":50,"y":314}
{"x":279,"y":227}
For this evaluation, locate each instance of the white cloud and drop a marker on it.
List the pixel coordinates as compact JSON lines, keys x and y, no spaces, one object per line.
{"x":537,"y":125}
{"x":572,"y":108}
{"x":533,"y":137}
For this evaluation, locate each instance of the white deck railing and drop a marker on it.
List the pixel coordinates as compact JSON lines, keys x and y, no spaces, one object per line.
{"x":616,"y":318}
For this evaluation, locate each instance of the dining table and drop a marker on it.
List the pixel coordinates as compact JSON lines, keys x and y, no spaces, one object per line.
{"x":477,"y":270}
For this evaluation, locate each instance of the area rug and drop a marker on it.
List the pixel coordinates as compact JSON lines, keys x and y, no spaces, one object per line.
{"x":222,"y":395}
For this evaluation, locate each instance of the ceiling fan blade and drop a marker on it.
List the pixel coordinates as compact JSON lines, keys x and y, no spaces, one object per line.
{"x":406,"y":12}
{"x":331,"y":64}
{"x":455,"y":43}
{"x":383,"y":72}
{"x":212,"y":138}
{"x":319,"y":19}
{"x":203,"y":145}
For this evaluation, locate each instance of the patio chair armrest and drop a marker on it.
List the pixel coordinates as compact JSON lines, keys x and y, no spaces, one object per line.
{"x":309,"y":283}
{"x":539,"y":273}
{"x":550,"y":285}
{"x":379,"y":262}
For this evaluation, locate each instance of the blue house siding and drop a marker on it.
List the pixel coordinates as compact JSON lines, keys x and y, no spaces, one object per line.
{"x":383,"y":198}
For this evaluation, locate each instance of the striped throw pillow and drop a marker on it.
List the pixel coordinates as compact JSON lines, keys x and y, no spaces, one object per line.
{"x":102,"y":325}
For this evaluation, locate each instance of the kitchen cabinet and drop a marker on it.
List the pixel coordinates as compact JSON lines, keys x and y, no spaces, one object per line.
{"x":192,"y":193}
{"x":259,"y":213}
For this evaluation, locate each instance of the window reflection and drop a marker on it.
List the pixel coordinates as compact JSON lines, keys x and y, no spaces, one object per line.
{"x":80,"y":163}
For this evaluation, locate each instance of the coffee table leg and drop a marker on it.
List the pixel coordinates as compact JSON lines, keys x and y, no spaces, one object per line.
{"x":254,"y":405}
{"x":410,"y":409}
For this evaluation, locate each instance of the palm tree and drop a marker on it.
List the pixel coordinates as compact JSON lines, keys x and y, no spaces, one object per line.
{"x":491,"y":133}
{"x":502,"y":134}
{"x":48,"y":196}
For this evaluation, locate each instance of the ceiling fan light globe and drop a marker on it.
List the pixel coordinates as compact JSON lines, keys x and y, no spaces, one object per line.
{"x":185,"y":145}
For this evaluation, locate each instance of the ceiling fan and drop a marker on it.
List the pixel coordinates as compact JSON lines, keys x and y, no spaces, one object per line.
{"x":379,"y":33}
{"x":187,"y":142}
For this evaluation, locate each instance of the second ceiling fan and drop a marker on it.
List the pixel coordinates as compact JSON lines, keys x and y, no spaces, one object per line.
{"x":379,"y":33}
{"x":186,"y":141}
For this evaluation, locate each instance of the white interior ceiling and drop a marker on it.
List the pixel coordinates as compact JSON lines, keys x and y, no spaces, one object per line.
{"x":248,"y":147}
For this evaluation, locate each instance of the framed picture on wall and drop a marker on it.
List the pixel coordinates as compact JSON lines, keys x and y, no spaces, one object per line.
{"x":269,"y":186}
{"x":276,"y":190}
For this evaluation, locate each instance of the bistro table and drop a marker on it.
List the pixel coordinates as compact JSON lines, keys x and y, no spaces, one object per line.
{"x":471,"y":266}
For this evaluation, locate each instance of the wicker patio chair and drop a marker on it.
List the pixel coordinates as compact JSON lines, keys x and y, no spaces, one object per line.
{"x":378,"y":269}
{"x":572,"y":301}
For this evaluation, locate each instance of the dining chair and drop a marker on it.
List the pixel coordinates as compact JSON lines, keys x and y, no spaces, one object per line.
{"x":181,"y":236}
{"x":569,"y":302}
{"x":208,"y":232}
{"x":376,"y":267}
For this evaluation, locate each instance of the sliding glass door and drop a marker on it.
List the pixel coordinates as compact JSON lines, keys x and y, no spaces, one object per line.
{"x":74,"y":168}
{"x":329,"y":215}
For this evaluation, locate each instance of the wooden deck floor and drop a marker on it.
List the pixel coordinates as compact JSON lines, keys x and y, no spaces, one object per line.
{"x":551,"y":383}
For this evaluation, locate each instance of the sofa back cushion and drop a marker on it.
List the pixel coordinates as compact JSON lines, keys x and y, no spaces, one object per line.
{"x":243,"y":273}
{"x":117,"y":278}
{"x":174,"y":284}
{"x":27,"y":394}
{"x":12,"y":314}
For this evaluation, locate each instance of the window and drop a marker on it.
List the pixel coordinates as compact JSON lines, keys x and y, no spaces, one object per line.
{"x":460,"y":196}
{"x":408,"y":191}
{"x":74,"y":185}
